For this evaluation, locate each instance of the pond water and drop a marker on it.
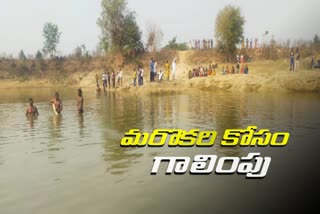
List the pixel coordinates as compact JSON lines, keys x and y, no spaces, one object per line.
{"x":74,"y":164}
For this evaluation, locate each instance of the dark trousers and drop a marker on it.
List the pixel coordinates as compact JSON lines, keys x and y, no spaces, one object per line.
{"x":151,"y":76}
{"x":291,"y":64}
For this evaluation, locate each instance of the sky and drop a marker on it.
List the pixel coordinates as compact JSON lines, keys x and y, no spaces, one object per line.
{"x":21,"y":21}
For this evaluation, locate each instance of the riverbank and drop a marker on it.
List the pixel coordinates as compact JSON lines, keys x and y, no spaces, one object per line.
{"x":263,"y":76}
{"x":302,"y":81}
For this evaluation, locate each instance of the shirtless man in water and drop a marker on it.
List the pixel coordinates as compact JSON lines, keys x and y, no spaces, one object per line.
{"x":31,"y":109}
{"x":57,"y":103}
{"x":80,"y":101}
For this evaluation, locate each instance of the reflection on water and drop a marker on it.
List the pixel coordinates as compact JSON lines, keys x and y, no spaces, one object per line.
{"x":31,"y":119}
{"x":82,"y":151}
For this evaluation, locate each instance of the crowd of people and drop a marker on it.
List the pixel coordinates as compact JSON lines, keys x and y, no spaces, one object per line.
{"x":158,"y":75}
{"x":243,"y":69}
{"x":249,"y":44}
{"x":198,"y":44}
{"x":113,"y":79}
{"x":202,"y":71}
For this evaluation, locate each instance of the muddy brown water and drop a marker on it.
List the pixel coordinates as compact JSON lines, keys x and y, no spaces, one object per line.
{"x":74,"y":164}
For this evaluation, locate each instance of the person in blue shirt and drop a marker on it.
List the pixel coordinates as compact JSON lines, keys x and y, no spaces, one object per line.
{"x":152,"y":70}
{"x":246,"y":70}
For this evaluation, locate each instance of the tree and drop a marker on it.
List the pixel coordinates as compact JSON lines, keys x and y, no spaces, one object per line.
{"x":154,"y":37}
{"x":229,"y":30}
{"x":173,"y":45}
{"x":119,"y":29}
{"x":39,"y":55}
{"x":77,"y":52}
{"x":81,"y":51}
{"x":22,"y":56}
{"x":103,"y":45}
{"x":132,"y":33}
{"x":316,"y":39}
{"x":51,"y":35}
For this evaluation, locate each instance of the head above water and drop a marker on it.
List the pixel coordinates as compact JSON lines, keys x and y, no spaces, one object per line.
{"x":30,"y":101}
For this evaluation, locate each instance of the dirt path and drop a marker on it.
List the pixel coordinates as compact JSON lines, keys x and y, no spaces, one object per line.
{"x":182,"y":66}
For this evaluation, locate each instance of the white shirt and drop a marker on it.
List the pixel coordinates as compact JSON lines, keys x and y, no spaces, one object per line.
{"x":174,"y":64}
{"x":155,"y":67}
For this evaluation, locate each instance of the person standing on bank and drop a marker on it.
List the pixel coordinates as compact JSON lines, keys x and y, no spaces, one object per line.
{"x":134,"y":77}
{"x":151,"y":70}
{"x":174,"y":66}
{"x":167,"y":66}
{"x":104,"y":80}
{"x":155,"y":72}
{"x":141,"y":76}
{"x":297,"y":62}
{"x":291,"y":60}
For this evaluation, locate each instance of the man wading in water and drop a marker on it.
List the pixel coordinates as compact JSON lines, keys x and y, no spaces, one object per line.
{"x":57,"y":103}
{"x":32,"y":110}
{"x":80,"y":101}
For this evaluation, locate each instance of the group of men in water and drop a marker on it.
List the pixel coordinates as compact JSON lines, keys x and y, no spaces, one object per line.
{"x":56,"y":103}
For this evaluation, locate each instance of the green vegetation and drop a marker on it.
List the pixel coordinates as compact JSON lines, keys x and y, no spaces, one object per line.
{"x":121,"y":45}
{"x":173,"y":45}
{"x":229,"y":30}
{"x":39,"y":55}
{"x":22,"y":56}
{"x":119,"y":29}
{"x":51,"y":35}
